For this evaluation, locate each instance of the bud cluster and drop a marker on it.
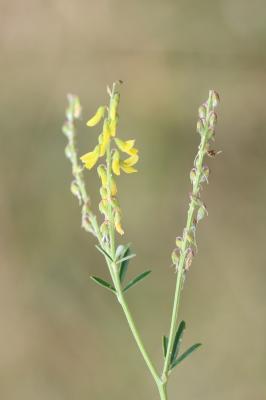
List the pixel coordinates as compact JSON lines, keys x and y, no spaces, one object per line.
{"x":186,"y":245}
{"x":77,"y":187}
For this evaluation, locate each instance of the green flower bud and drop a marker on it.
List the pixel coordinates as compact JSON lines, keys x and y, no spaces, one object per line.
{"x":68,"y":129}
{"x":212,"y":119}
{"x":74,"y":188}
{"x":202,"y":211}
{"x":179,"y":241}
{"x":175,"y":256}
{"x":193,"y":175}
{"x":189,"y":258}
{"x":214,"y":98}
{"x":200,"y":125}
{"x":202,"y":111}
{"x":114,"y":106}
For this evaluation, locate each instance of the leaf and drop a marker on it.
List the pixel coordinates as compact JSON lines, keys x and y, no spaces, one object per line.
{"x":165,"y":345}
{"x":103,"y":283}
{"x":124,"y":265}
{"x":178,"y":340}
{"x":185,"y":354}
{"x":126,"y":258}
{"x":136,"y":280}
{"x":101,"y":250}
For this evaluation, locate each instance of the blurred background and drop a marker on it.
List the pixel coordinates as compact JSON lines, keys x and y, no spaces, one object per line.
{"x":61,"y":336}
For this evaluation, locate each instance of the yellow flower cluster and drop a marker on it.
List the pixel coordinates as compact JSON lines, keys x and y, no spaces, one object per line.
{"x":114,"y":161}
{"x":108,"y":132}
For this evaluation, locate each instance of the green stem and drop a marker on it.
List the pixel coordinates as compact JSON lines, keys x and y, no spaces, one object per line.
{"x":183,"y":251}
{"x":133,"y":328}
{"x":114,"y":271}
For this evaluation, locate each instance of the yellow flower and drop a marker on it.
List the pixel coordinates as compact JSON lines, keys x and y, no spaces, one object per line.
{"x":112,"y":126}
{"x":104,"y":138}
{"x":127,"y":165}
{"x":117,"y":221}
{"x":128,"y":169}
{"x":97,"y":116}
{"x":102,"y":174}
{"x":116,"y":162}
{"x":113,"y":187}
{"x":91,"y":158}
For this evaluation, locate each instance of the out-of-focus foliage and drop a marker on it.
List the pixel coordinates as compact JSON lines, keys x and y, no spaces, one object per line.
{"x":58,"y":331}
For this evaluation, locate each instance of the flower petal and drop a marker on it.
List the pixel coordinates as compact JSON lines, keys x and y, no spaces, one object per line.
{"x":112,"y":126}
{"x":113,"y":187}
{"x":97,"y":116}
{"x":131,"y":160}
{"x":117,"y":221}
{"x":102,"y":174}
{"x":128,"y":169}
{"x":116,"y":163}
{"x":124,"y":146}
{"x":91,"y":158}
{"x":104,"y":138}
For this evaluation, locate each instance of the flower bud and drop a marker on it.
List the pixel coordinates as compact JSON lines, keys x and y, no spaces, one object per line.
{"x":175,"y":256}
{"x":214,"y":98}
{"x":102,"y":174}
{"x":205,"y":174}
{"x":68,"y":152}
{"x":179,"y":241}
{"x":85,"y":223}
{"x":200,"y":125}
{"x":189,"y":258}
{"x":76,"y":107}
{"x":103,"y":192}
{"x":74,"y":188}
{"x":202,"y":211}
{"x":192,"y":175}
{"x":103,"y":207}
{"x":117,"y":221}
{"x":202,"y":111}
{"x":212,"y":119}
{"x":104,"y":228}
{"x":97,"y":117}
{"x":113,"y":187}
{"x":114,"y":106}
{"x":68,"y":129}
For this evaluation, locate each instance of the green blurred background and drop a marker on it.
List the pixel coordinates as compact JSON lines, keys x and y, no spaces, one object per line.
{"x":62,"y":337}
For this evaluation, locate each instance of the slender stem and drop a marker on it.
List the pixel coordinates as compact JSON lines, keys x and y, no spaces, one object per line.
{"x":114,"y":271}
{"x":133,"y":328}
{"x":181,"y":264}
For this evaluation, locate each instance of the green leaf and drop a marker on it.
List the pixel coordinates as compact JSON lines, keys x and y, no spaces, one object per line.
{"x":101,"y":250}
{"x":126,"y":258}
{"x":136,"y":280}
{"x":185,"y":354}
{"x":178,"y":340}
{"x":124,"y":265}
{"x":165,"y":345}
{"x":103,"y":283}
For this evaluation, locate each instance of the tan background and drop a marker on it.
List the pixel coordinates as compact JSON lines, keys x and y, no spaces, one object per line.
{"x":62,"y":337}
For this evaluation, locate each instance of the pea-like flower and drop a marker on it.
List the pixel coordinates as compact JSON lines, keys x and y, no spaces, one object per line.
{"x":111,"y":147}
